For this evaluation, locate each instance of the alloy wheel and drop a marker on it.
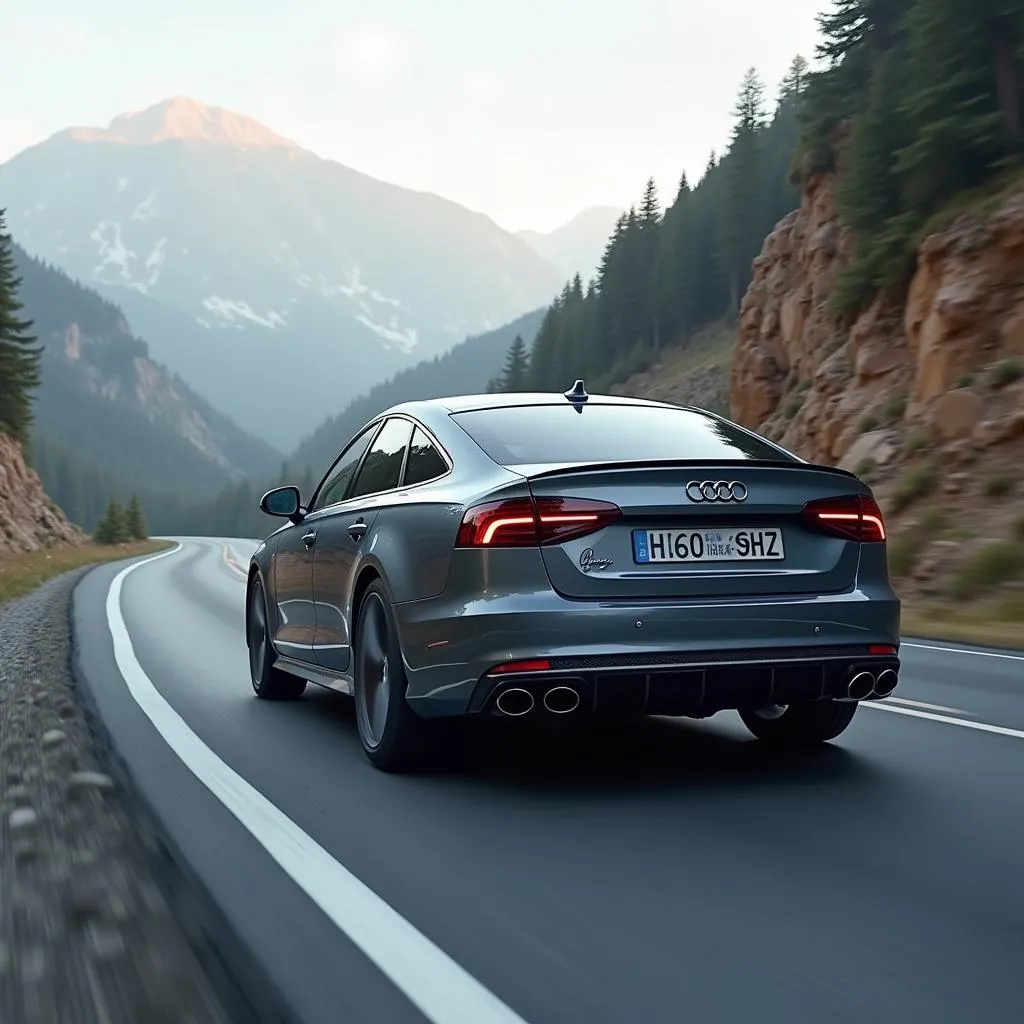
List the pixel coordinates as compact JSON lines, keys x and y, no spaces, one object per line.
{"x":374,"y":679}
{"x":257,"y":634}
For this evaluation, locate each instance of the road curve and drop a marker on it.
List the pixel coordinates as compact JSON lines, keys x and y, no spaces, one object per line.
{"x":678,"y":872}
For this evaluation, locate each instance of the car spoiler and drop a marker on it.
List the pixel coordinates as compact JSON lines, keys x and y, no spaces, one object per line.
{"x":538,"y":471}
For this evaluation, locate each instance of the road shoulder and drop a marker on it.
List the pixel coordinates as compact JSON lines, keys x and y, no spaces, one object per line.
{"x":96,"y":923}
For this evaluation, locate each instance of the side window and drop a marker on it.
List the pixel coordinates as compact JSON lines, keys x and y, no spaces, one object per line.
{"x":382,"y":469}
{"x":425,"y":461}
{"x":340,"y":476}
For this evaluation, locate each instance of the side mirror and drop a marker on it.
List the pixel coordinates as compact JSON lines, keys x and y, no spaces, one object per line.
{"x":282,"y":502}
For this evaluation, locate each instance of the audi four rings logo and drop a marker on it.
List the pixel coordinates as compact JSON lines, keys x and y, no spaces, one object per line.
{"x":716,"y":490}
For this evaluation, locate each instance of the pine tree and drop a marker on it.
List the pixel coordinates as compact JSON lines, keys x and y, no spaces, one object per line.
{"x":965,"y":123}
{"x":742,"y":223}
{"x":19,"y":357}
{"x":869,"y":197}
{"x":650,"y":208}
{"x":856,"y":34}
{"x":795,"y":80}
{"x":135,"y":521}
{"x":854,"y":27}
{"x":111,"y":529}
{"x":514,"y":375}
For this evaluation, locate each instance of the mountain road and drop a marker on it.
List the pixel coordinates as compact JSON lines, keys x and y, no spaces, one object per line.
{"x":674,"y":871}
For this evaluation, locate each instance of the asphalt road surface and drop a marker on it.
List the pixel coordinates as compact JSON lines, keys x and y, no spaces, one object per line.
{"x":678,"y":872}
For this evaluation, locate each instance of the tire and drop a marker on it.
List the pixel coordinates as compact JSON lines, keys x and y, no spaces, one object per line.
{"x":394,"y":737}
{"x":268,"y":683}
{"x":801,"y":725}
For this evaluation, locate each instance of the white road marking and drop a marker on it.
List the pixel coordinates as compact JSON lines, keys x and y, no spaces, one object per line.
{"x":963,"y":650}
{"x":999,"y":730}
{"x":927,"y":707}
{"x":428,"y":977}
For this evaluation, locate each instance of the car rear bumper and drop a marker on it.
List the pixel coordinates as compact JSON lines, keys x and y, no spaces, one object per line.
{"x":688,"y":659}
{"x":695,"y":684}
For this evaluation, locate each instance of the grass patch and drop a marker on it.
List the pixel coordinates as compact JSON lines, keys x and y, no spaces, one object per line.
{"x":1000,"y":624}
{"x":1007,"y":372}
{"x":961,"y":533}
{"x":834,"y":344}
{"x":904,"y":552}
{"x":999,"y":562}
{"x":965,"y":380}
{"x":894,"y":408}
{"x":710,"y":347}
{"x":982,"y":202}
{"x":915,"y":443}
{"x":905,"y":548}
{"x":866,"y":468}
{"x":999,"y":485}
{"x":21,"y":573}
{"x":1018,"y":529}
{"x":867,"y":423}
{"x":918,"y":483}
{"x":791,"y":408}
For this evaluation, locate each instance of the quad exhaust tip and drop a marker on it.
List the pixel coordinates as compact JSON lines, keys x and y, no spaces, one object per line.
{"x":561,"y":700}
{"x":886,"y":682}
{"x":514,"y":702}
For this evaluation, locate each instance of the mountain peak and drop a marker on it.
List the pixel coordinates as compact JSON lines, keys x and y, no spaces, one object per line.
{"x":181,"y":117}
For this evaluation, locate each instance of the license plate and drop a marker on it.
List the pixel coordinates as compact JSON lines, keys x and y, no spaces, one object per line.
{"x":707,"y":546}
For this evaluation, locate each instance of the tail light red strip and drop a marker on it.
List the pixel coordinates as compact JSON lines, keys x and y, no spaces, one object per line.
{"x":854,"y":517}
{"x":530,"y":522}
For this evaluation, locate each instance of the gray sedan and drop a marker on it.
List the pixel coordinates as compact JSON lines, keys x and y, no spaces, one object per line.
{"x":542,"y":556}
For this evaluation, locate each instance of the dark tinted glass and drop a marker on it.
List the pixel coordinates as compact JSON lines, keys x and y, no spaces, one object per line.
{"x":425,"y":461}
{"x":520,"y":435}
{"x":383,"y":466}
{"x":341,"y":474}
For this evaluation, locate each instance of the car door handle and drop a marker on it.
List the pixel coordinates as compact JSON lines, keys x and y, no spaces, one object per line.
{"x":309,"y":538}
{"x":357,"y":530}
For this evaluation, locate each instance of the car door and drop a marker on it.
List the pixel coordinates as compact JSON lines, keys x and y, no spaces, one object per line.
{"x":293,"y":593}
{"x":341,"y":531}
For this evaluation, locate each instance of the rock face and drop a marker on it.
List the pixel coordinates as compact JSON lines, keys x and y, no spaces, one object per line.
{"x":946,"y":368}
{"x":29,"y":520}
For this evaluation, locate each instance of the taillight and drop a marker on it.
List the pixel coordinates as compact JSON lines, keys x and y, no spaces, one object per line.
{"x":526,"y":522}
{"x":856,"y":517}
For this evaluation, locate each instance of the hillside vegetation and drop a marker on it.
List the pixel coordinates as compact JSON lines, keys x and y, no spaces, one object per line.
{"x":106,"y":420}
{"x":920,"y":103}
{"x":665,"y":274}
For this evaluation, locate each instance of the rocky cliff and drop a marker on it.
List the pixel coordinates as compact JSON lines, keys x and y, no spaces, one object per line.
{"x":947,"y":363}
{"x":924,"y":398}
{"x":29,"y":520}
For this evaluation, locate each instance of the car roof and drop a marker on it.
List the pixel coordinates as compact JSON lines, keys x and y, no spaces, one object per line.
{"x":471,"y":403}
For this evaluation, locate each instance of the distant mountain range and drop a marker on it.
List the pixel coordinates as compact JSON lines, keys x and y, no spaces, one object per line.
{"x":279,"y":285}
{"x":110,"y":418}
{"x":576,"y":247}
{"x":463,"y":370}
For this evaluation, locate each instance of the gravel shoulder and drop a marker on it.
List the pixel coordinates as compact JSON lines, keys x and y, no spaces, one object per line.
{"x":98,"y":923}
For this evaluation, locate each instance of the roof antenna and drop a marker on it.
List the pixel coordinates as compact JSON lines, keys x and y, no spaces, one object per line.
{"x":577,"y":395}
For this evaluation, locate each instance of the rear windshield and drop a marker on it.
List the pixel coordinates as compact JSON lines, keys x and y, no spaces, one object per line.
{"x":530,"y":434}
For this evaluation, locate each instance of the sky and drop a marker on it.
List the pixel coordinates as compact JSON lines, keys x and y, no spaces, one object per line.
{"x":526,"y":110}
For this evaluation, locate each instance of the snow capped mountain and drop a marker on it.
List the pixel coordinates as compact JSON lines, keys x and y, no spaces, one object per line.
{"x":244,"y":259}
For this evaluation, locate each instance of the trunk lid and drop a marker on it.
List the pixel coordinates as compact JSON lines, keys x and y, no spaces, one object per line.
{"x":668,"y":545}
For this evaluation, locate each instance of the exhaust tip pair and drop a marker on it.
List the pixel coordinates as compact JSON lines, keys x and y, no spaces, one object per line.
{"x":516,"y":702}
{"x":864,"y":685}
